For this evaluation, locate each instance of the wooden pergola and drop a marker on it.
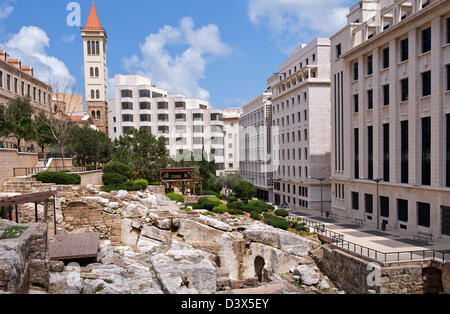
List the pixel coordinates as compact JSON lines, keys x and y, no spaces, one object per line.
{"x":7,"y":204}
{"x":182,"y":177}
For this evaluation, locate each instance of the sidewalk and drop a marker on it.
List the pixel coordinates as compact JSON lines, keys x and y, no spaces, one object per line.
{"x":389,"y":241}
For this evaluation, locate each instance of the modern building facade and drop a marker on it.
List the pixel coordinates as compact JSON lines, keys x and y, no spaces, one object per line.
{"x":95,"y":70}
{"x":231,"y":139}
{"x":390,"y":70}
{"x":301,"y":127}
{"x":255,"y":145}
{"x":188,"y":125}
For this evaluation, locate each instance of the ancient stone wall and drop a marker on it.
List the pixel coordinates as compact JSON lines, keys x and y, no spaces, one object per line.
{"x":353,"y":274}
{"x":91,"y":178}
{"x":157,"y":189}
{"x":24,"y":261}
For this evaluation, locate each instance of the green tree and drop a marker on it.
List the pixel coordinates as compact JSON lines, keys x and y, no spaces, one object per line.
{"x":244,"y":190}
{"x":18,"y":122}
{"x":41,"y":131}
{"x":89,"y":146}
{"x":2,"y":121}
{"x":142,"y":152}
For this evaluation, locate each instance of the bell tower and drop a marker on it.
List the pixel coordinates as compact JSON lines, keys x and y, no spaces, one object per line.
{"x":95,"y":70}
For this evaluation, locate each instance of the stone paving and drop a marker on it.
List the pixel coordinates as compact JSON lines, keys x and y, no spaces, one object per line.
{"x":388,"y":241}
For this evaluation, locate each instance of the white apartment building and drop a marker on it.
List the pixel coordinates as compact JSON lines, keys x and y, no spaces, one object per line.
{"x":188,"y":125}
{"x":231,"y":134}
{"x":255,"y":145}
{"x":301,"y":120}
{"x":390,"y":70}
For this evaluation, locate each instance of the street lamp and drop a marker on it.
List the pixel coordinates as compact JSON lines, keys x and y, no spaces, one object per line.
{"x":377,"y":181}
{"x":321,"y":195}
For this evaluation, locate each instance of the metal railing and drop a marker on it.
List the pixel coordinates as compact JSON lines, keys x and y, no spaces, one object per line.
{"x":25,"y":172}
{"x":11,"y":145}
{"x":383,"y":257}
{"x":47,"y":156}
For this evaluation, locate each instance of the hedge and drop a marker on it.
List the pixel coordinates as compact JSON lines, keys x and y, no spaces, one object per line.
{"x":260,"y":204}
{"x":58,"y":177}
{"x":221,"y":209}
{"x":276,"y":222}
{"x":175,"y":197}
{"x":112,"y":179}
{"x":235,"y":212}
{"x":142,"y":183}
{"x":208,"y":193}
{"x":282,"y":213}
{"x":256,"y":215}
{"x":235,"y":205}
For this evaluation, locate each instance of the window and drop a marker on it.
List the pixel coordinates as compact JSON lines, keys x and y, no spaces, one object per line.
{"x":338,"y":51}
{"x":426,"y":83}
{"x":180,"y":117}
{"x":197,"y":117}
{"x":163,"y":129}
{"x":386,"y":58}
{"x":145,"y":106}
{"x":180,"y":128}
{"x":126,"y":93}
{"x":181,"y":141}
{"x":144,"y":93}
{"x":180,"y":105}
{"x":97,"y":48}
{"x":355,"y":71}
{"x":127,"y":118}
{"x":92,"y":94}
{"x":22,"y":88}
{"x":146,"y":118}
{"x":445,"y":219}
{"x":127,"y":106}
{"x":426,"y":40}
{"x":384,"y":204}
{"x":370,"y":151}
{"x":404,"y":50}
{"x":1,"y":79}
{"x":8,"y":82}
{"x":386,"y":95}
{"x":404,"y":152}
{"x":448,"y":77}
{"x":355,"y":200}
{"x":91,"y":72}
{"x":126,"y":129}
{"x":96,"y":72}
{"x":356,"y":132}
{"x":163,"y":117}
{"x":89,"y":49}
{"x":99,"y":116}
{"x":402,"y":210}
{"x":16,"y":89}
{"x":368,"y":198}
{"x":448,"y":30}
{"x":314,"y":57}
{"x":97,"y":94}
{"x":198,"y":128}
{"x":386,"y":152}
{"x":369,"y":65}
{"x":426,"y":151}
{"x":198,"y":140}
{"x":370,"y":99}
{"x":404,"y":85}
{"x":163,"y":105}
{"x":423,"y":214}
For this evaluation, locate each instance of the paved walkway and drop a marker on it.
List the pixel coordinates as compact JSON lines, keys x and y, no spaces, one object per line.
{"x":367,"y":236}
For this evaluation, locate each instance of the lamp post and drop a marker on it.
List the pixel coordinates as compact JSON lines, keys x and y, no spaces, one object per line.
{"x":377,"y":181}
{"x":321,"y":193}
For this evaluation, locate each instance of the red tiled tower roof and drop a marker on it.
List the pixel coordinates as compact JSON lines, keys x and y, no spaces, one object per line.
{"x":93,"y":22}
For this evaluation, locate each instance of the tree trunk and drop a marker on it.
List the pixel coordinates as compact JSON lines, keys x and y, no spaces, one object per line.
{"x":18,"y":145}
{"x":62,"y":155}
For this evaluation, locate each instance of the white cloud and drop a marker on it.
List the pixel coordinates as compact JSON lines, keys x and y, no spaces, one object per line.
{"x":68,"y":38}
{"x":180,"y":73}
{"x":29,"y":45}
{"x":299,"y":19}
{"x":5,"y":10}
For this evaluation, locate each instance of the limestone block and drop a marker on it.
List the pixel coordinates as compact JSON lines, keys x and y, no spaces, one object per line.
{"x":65,"y":283}
{"x":215,"y":223}
{"x":128,"y":235}
{"x":147,"y":245}
{"x":308,"y":275}
{"x":194,"y":232}
{"x":155,"y":233}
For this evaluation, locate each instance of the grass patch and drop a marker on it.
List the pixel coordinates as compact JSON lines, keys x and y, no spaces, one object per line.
{"x":14,"y":232}
{"x":108,"y":281}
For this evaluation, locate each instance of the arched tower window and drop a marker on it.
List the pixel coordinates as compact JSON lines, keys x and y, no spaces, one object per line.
{"x":89,"y":47}
{"x":93,"y":47}
{"x":93,"y":115}
{"x":92,"y":94}
{"x":96,"y":72}
{"x":92,"y":71}
{"x":98,"y":115}
{"x":97,"y":45}
{"x":98,"y":94}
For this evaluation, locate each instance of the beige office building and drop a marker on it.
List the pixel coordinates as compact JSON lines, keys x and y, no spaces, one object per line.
{"x":255,"y":145}
{"x":391,"y":115}
{"x":231,"y":139}
{"x":301,"y":127}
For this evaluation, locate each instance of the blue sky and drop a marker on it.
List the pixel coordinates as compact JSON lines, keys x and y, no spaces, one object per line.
{"x":223,"y":50}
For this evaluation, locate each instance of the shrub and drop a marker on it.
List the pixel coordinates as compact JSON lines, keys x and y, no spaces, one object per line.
{"x":155,"y":183}
{"x":235,"y":212}
{"x":58,"y":177}
{"x":221,"y":209}
{"x":256,"y":215}
{"x":90,"y":167}
{"x":215,"y":199}
{"x":248,"y":208}
{"x":282,"y":213}
{"x":276,"y":222}
{"x":142,"y":183}
{"x":301,"y":227}
{"x":235,"y":205}
{"x":113,"y":179}
{"x":209,"y":192}
{"x":128,"y":186}
{"x":260,"y":204}
{"x":175,"y":197}
{"x":231,"y":198}
{"x":118,"y":167}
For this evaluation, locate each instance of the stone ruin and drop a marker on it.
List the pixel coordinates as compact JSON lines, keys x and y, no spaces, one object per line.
{"x":149,"y":245}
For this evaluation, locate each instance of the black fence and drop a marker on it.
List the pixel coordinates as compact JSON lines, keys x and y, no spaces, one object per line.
{"x":11,"y":145}
{"x":390,"y":257}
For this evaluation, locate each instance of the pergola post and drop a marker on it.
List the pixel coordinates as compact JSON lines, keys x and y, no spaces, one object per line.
{"x":17,"y":214}
{"x":36,"y":211}
{"x":10,"y":213}
{"x":54,"y":212}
